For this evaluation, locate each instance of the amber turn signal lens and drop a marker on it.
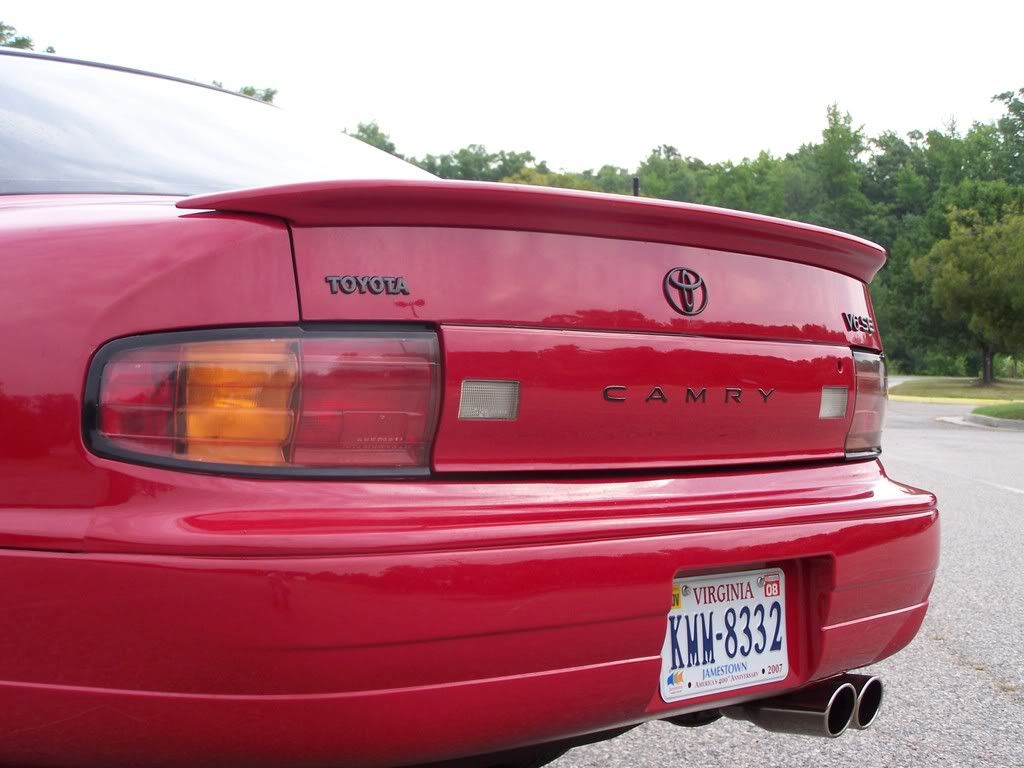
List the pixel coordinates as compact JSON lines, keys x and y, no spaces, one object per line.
{"x":237,"y":400}
{"x":296,"y":400}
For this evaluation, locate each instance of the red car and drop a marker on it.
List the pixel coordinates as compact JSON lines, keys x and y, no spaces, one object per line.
{"x":312,"y":459}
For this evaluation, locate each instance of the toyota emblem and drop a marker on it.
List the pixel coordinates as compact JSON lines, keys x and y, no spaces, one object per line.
{"x":685,"y":291}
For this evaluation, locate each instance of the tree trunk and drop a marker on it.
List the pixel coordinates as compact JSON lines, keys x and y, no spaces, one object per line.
{"x":987,"y":372}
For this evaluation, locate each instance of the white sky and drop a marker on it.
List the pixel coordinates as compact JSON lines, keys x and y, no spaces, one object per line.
{"x":579,"y":84}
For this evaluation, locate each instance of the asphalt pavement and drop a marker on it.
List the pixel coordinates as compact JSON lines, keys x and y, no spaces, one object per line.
{"x":955,"y":696}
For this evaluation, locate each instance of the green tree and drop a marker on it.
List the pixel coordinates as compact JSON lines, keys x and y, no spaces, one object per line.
{"x":977,"y":275}
{"x":260,"y":94}
{"x":836,"y":162}
{"x":9,"y":38}
{"x":1010,"y":128}
{"x":372,"y":134}
{"x":666,"y":174}
{"x":553,"y":179}
{"x":612,"y":179}
{"x":475,"y":162}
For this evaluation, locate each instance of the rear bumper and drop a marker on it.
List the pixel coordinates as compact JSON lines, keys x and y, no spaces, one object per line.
{"x":416,"y":642}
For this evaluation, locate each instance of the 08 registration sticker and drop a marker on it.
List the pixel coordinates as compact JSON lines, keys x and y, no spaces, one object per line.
{"x":724,"y":632}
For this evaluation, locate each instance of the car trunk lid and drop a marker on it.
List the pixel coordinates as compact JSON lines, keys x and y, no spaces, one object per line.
{"x":630,"y":334}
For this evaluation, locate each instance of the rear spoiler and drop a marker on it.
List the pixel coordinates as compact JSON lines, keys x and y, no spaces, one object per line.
{"x":479,"y":205}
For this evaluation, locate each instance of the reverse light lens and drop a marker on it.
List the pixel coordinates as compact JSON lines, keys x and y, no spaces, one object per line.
{"x":872,"y":396}
{"x":489,"y":399}
{"x":833,"y":402}
{"x":296,"y":401}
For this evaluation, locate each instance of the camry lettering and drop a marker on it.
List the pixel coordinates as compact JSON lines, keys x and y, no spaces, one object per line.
{"x":616,"y":393}
{"x":657,"y":394}
{"x":374,"y":284}
{"x":620,"y":393}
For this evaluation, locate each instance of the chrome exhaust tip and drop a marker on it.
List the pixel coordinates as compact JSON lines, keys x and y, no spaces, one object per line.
{"x":823,"y":709}
{"x":870,"y":692}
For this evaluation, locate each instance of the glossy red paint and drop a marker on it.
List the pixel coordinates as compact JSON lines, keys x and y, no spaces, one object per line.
{"x":80,"y":270}
{"x":305,"y":661}
{"x":479,"y":205}
{"x":157,"y":617}
{"x":673,"y":401}
{"x":506,"y":277}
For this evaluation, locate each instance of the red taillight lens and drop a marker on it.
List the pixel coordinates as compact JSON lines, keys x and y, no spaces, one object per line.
{"x":292,"y":401}
{"x":872,"y":395}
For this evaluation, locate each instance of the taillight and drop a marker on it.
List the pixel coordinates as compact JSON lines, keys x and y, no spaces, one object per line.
{"x":273,"y":401}
{"x":871,"y":397}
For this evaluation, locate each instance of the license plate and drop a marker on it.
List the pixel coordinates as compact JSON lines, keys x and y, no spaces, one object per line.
{"x":724,"y":632}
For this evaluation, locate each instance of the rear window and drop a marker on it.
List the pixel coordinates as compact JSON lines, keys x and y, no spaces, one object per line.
{"x":73,"y":127}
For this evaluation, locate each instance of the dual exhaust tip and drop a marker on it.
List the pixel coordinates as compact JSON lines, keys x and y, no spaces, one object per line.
{"x":825,"y":709}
